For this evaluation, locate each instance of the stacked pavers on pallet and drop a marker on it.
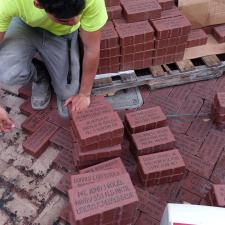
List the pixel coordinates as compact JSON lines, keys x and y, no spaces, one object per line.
{"x":171,"y":39}
{"x":109,"y":50}
{"x":98,"y":134}
{"x":216,"y":196}
{"x":102,"y":194}
{"x":153,"y":143}
{"x":136,"y":44}
{"x":218,"y":108}
{"x":149,"y":32}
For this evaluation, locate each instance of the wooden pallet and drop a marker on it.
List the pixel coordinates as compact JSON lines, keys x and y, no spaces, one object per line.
{"x":187,"y":71}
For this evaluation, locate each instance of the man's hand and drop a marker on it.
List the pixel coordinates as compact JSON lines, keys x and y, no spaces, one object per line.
{"x":79,"y":102}
{"x":5,"y":123}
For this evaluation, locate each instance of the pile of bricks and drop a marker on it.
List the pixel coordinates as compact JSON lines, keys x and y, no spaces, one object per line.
{"x":153,"y":143}
{"x":109,"y":50}
{"x":103,"y":194}
{"x":163,"y":167}
{"x":142,"y":33}
{"x":171,"y":39}
{"x":219,"y":33}
{"x":136,"y":44}
{"x":216,"y":196}
{"x":98,"y":134}
{"x":218,"y":108}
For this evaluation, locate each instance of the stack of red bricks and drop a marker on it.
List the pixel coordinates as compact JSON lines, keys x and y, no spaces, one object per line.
{"x":98,"y":134}
{"x":148,"y":32}
{"x":109,"y":50}
{"x":136,"y":44}
{"x":171,"y":39}
{"x":153,"y":143}
{"x":219,"y":33}
{"x":103,"y":194}
{"x":216,"y":196}
{"x":218,"y":108}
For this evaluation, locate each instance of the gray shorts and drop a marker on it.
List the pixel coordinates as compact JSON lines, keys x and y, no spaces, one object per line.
{"x":20,"y":45}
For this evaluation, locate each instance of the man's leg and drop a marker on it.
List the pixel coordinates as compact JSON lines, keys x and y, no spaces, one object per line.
{"x":57,"y":61}
{"x":16,"y":53}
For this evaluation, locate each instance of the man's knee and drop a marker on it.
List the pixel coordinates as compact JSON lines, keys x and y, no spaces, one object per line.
{"x":15,"y":74}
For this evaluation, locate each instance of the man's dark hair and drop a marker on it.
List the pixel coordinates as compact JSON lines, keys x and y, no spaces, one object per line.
{"x":63,"y":9}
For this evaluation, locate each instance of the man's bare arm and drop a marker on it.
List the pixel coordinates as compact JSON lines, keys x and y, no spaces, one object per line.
{"x":2,"y":34}
{"x":91,"y":42}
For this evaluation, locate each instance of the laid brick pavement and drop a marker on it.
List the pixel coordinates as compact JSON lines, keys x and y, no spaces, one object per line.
{"x":27,"y":184}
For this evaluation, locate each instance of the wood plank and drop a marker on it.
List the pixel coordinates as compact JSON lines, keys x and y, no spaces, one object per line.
{"x":168,"y":70}
{"x":185,"y":65}
{"x":202,"y":72}
{"x":157,"y":71}
{"x":130,"y":77}
{"x":211,"y":60}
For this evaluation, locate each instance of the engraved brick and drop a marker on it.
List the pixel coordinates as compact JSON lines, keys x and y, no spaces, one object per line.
{"x":80,"y":180}
{"x":92,"y":111}
{"x":140,"y":10}
{"x":134,"y":33}
{"x":146,"y":119}
{"x":110,"y":164}
{"x":196,"y":185}
{"x":107,"y":126}
{"x":196,"y":38}
{"x":171,"y":27}
{"x":160,"y":167}
{"x":39,"y":141}
{"x":98,"y":154}
{"x":219,"y":33}
{"x":32,"y":123}
{"x":94,"y":201}
{"x":152,"y":141}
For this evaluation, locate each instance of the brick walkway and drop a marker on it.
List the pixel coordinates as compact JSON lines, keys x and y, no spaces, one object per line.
{"x":27,"y":193}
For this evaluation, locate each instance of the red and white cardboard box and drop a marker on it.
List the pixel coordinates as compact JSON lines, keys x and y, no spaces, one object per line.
{"x":186,"y":214}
